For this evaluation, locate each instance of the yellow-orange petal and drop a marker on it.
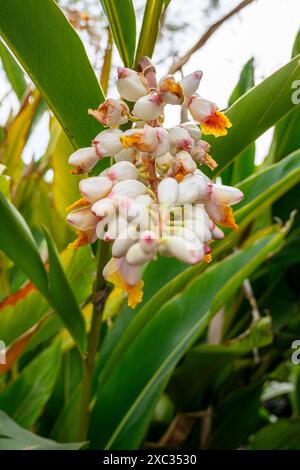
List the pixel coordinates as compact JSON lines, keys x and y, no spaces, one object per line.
{"x":135,"y":291}
{"x":228,"y":217}
{"x":80,"y":203}
{"x":83,"y":238}
{"x":208,"y":258}
{"x":217,"y":124}
{"x":169,"y":85}
{"x":210,"y":162}
{"x":130,"y":140}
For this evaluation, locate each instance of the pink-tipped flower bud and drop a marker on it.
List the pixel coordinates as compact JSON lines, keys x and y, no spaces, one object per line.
{"x":122,"y":171}
{"x":104,"y":208}
{"x":127,"y":155}
{"x":200,"y":108}
{"x":180,"y":139}
{"x":190,"y":83}
{"x":183,"y":161}
{"x":108,"y":142}
{"x":148,"y":107}
{"x":84,"y":159}
{"x":82,"y":219}
{"x":136,"y":255}
{"x":131,"y":85}
{"x":129,"y":188}
{"x":95,"y":188}
{"x":227,"y":195}
{"x":182,"y":249}
{"x":148,"y":241}
{"x":163,"y":144}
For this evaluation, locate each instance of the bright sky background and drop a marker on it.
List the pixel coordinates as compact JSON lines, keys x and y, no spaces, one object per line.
{"x":264,"y":30}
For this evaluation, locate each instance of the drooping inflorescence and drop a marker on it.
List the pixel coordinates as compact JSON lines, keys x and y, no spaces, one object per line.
{"x":154,"y":198}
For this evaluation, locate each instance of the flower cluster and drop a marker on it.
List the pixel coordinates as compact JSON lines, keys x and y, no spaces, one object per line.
{"x":154,"y":198}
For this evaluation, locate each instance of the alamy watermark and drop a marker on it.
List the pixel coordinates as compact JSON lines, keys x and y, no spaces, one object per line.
{"x":296,"y":95}
{"x":295,"y":358}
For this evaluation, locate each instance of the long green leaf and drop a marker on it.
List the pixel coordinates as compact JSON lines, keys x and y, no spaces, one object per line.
{"x":19,"y":245}
{"x":63,"y":298}
{"x":13,"y":72}
{"x":243,"y":165}
{"x":282,"y":435}
{"x":150,"y":28}
{"x":255,"y":112}
{"x":14,"y":437}
{"x":54,"y":57}
{"x":161,"y":343}
{"x":25,"y":398}
{"x":121,"y":18}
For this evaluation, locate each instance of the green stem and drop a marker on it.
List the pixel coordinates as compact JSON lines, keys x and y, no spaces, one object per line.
{"x":99,"y":297}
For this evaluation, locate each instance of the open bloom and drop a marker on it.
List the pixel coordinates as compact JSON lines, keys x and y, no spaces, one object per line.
{"x":206,"y":113}
{"x":170,"y":91}
{"x":111,"y":113}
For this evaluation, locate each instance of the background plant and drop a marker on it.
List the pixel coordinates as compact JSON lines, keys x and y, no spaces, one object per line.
{"x":209,"y":349}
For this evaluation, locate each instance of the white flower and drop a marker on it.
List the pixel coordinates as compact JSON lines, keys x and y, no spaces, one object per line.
{"x":170,"y":90}
{"x":84,"y":159}
{"x":95,"y":188}
{"x":82,"y":219}
{"x":124,"y":241}
{"x":167,"y":191}
{"x":108,"y":142}
{"x":200,"y":108}
{"x":180,"y":139}
{"x":228,"y":195}
{"x":193,"y":130}
{"x":163,"y":144}
{"x":144,"y":140}
{"x":190,"y":83}
{"x":137,"y":256}
{"x":183,"y":160}
{"x":127,"y":155}
{"x":148,"y":241}
{"x":131,"y":85}
{"x":122,"y":171}
{"x":103,"y":208}
{"x":129,"y":188}
{"x":111,"y":113}
{"x":182,"y":249}
{"x":149,"y":107}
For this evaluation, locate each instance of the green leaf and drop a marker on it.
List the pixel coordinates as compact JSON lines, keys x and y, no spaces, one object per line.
{"x":16,"y":438}
{"x":63,"y":298}
{"x":25,"y":398}
{"x":121,"y":18}
{"x":286,"y":134}
{"x":161,"y":341}
{"x":283,"y":435}
{"x":243,"y":165}
{"x":18,"y":244}
{"x":13,"y":72}
{"x":150,"y":28}
{"x":210,"y":359}
{"x":54,"y":57}
{"x":255,"y":112}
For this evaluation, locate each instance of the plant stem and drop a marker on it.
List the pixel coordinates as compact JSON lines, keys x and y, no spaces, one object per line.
{"x":99,"y":296}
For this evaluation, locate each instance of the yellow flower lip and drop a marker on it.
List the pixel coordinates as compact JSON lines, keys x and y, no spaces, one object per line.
{"x":217,"y":124}
{"x":135,"y":291}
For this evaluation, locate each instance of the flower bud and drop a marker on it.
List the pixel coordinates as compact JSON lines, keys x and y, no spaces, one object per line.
{"x":194,"y":189}
{"x":135,"y":255}
{"x":82,"y":219}
{"x":217,"y":233}
{"x":127,"y":155}
{"x":193,"y":130}
{"x":200,"y":108}
{"x":108,"y":142}
{"x":104,"y":208}
{"x":164,"y":163}
{"x":228,"y":195}
{"x":190,"y":83}
{"x":111,"y":113}
{"x":124,"y":241}
{"x":95,"y":188}
{"x":84,"y":159}
{"x":167,"y":191}
{"x":148,"y":241}
{"x":122,"y":171}
{"x":131,"y":85}
{"x":183,"y":161}
{"x":148,"y":107}
{"x":180,"y":139}
{"x":170,"y":90}
{"x":144,"y":140}
{"x":183,"y":250}
{"x":163,"y":142}
{"x":129,"y":188}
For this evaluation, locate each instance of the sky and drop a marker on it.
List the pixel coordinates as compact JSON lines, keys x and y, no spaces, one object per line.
{"x":265,"y":30}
